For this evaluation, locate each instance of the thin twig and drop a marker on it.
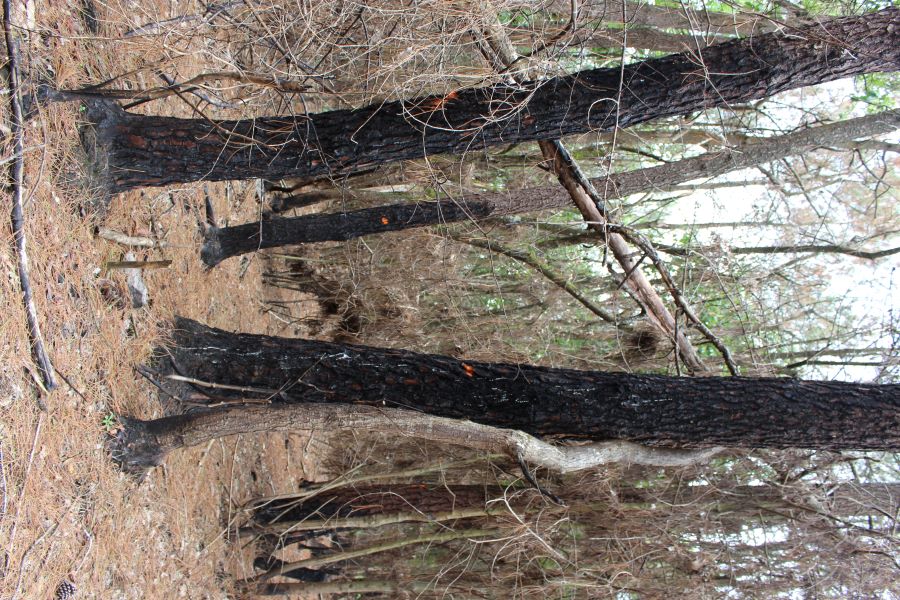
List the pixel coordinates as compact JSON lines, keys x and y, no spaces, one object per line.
{"x":25,"y":477}
{"x":146,"y":374}
{"x":18,"y":217}
{"x":531,"y":479}
{"x":70,"y":384}
{"x":156,"y":27}
{"x":221,"y":386}
{"x":318,"y":562}
{"x":543,"y":268}
{"x":4,"y":501}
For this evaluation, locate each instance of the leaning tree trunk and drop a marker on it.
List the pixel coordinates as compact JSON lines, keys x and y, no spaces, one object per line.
{"x":136,"y":150}
{"x":222,"y":243}
{"x":587,"y":405}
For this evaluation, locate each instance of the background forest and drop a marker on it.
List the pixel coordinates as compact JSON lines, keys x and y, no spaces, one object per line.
{"x":784,"y":246}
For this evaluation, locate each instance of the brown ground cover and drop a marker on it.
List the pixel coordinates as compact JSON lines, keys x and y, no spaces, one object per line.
{"x":66,"y":512}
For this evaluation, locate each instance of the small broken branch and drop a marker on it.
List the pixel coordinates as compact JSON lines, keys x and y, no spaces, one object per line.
{"x":129,"y":240}
{"x":137,"y":264}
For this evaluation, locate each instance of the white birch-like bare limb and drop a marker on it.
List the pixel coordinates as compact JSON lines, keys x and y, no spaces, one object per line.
{"x":144,"y":444}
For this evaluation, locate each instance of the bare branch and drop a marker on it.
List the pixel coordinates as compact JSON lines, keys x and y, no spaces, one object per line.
{"x":18,"y":216}
{"x":644,"y":244}
{"x":143,"y":444}
{"x":544,"y":269}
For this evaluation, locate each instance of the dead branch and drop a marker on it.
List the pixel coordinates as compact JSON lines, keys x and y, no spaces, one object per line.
{"x":172,"y":87}
{"x":543,"y":268}
{"x":137,"y":264}
{"x":157,"y":27}
{"x":128,"y":240}
{"x":796,"y":249}
{"x":340,"y":556}
{"x":18,"y":215}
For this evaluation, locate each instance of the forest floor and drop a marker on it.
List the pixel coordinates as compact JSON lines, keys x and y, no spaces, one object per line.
{"x":68,"y":513}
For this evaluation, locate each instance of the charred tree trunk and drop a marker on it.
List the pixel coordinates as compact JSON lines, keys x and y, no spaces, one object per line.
{"x":225,"y":242}
{"x":135,"y":150}
{"x":586,"y":405}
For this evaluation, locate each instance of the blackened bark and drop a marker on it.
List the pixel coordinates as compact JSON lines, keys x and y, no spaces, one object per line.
{"x":137,"y":445}
{"x":588,"y":405}
{"x":225,"y":242}
{"x":151,"y":151}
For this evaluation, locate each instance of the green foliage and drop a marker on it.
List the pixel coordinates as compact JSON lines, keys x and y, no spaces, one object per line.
{"x":110,"y":423}
{"x":878,"y":91}
{"x":836,"y":8}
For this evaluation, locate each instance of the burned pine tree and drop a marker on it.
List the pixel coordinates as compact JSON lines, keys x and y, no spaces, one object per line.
{"x":270,"y":380}
{"x":225,"y":242}
{"x":136,"y":150}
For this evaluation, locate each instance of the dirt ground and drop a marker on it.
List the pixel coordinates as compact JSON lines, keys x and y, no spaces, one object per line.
{"x":66,"y":512}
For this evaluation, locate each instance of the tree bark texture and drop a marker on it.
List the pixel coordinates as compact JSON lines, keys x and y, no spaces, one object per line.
{"x":136,"y":150}
{"x":587,"y":405}
{"x":222,"y":243}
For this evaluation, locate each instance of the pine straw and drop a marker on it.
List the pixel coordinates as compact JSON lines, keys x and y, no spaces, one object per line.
{"x":72,"y":514}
